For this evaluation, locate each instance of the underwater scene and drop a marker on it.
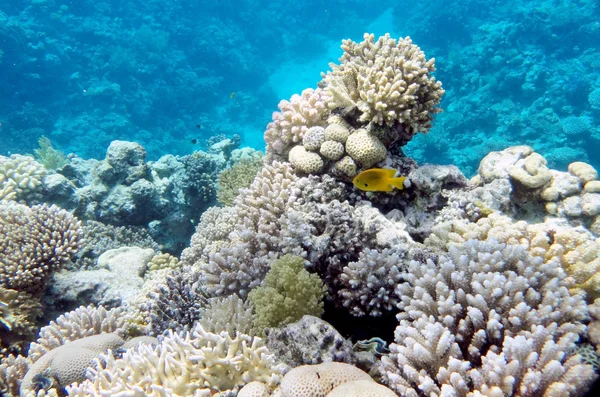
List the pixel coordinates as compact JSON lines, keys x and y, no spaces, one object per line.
{"x":335,"y":198}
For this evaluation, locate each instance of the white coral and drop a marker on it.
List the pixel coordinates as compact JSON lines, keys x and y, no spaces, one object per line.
{"x":388,"y":81}
{"x":488,"y":319}
{"x":198,"y":364}
{"x":294,"y":119}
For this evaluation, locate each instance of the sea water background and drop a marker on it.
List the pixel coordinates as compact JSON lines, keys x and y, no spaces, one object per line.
{"x":164,"y":73}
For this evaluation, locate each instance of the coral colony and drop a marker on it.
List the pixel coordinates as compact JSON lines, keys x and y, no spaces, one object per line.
{"x":480,"y":287}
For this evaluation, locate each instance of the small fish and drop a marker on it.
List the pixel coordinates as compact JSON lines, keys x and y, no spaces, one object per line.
{"x":378,"y":180}
{"x":232,"y":95}
{"x":376,"y":345}
{"x":198,"y":126}
{"x":194,"y":141}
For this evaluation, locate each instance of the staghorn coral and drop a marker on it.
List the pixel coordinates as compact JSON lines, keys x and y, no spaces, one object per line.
{"x":293,"y":120}
{"x":35,"y":242}
{"x":369,"y":283}
{"x":20,"y":178}
{"x":387,"y":81}
{"x":288,"y":292}
{"x":489,"y":318}
{"x":199,"y":363}
{"x":575,"y":249}
{"x":239,"y":176}
{"x":12,"y":370}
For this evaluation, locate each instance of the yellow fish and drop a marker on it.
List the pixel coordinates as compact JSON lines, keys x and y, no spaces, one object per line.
{"x":378,"y":180}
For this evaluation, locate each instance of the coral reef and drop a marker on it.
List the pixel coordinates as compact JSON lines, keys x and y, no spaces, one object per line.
{"x":125,"y":190}
{"x":485,"y":285}
{"x":380,"y":95}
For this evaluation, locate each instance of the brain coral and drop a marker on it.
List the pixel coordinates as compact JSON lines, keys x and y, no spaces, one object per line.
{"x":388,"y":81}
{"x":365,"y":148}
{"x":305,"y":161}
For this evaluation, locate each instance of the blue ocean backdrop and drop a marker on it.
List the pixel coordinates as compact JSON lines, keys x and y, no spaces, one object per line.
{"x":170,"y":73}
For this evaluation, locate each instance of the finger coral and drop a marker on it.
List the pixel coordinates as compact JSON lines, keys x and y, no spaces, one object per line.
{"x":20,"y":178}
{"x":489,"y":318}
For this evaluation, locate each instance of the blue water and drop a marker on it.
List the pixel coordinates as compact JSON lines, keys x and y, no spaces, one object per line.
{"x":164,"y":73}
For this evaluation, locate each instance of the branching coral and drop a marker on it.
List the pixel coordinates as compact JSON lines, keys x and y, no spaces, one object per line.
{"x":200,"y":364}
{"x":176,"y":304}
{"x":230,"y":314}
{"x":35,"y":242}
{"x":242,"y":262}
{"x":213,"y":229}
{"x":20,"y":178}
{"x":239,"y":176}
{"x":99,"y":238}
{"x":293,"y":120}
{"x":389,"y":82}
{"x":79,"y":323}
{"x":369,"y":283}
{"x":489,"y":319}
{"x":19,"y":312}
{"x":288,"y":292}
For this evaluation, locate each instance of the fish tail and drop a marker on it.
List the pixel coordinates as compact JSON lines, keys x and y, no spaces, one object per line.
{"x":398,"y":183}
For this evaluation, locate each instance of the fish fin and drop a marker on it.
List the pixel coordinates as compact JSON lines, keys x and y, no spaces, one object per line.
{"x":390,"y":173}
{"x":398,"y":183}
